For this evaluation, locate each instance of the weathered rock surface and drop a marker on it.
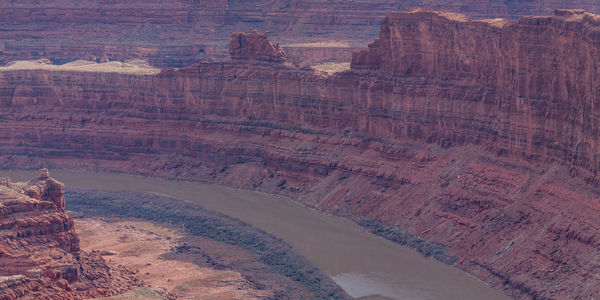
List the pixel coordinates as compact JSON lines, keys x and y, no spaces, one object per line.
{"x":43,"y":188}
{"x":479,"y":154}
{"x":254,"y":45}
{"x":40,"y":256}
{"x":181,"y":32}
{"x":547,"y":67}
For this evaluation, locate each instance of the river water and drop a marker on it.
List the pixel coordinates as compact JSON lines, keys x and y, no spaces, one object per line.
{"x":364,"y":265}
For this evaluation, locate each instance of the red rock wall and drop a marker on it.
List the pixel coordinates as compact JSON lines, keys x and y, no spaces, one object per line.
{"x":38,"y":243}
{"x":40,"y":256}
{"x":352,"y":144}
{"x":460,"y":161}
{"x":181,"y":32}
{"x":167,"y":33}
{"x":310,"y":56}
{"x":548,"y":66}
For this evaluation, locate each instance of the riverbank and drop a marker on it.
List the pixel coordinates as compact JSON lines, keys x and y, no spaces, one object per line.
{"x":337,"y":246}
{"x":188,"y":250}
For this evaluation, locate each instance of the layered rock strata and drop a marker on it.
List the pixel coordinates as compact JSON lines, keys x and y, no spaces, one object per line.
{"x":314,"y":54}
{"x":540,"y":73}
{"x":495,"y":163}
{"x":40,"y":256}
{"x":182,"y":32}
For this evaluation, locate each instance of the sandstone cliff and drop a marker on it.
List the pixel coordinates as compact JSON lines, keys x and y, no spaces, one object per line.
{"x":181,"y":32}
{"x":495,"y":172}
{"x":546,"y":67}
{"x":39,"y":249}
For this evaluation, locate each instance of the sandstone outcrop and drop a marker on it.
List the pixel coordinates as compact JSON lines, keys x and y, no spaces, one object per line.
{"x":254,"y":45}
{"x":39,"y":249}
{"x":481,"y":155}
{"x":43,"y":188}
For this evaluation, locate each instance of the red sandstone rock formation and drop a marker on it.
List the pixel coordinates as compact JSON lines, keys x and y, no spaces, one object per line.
{"x":181,"y":32}
{"x":43,"y":188}
{"x":547,"y":66}
{"x":39,"y":249}
{"x":475,"y":153}
{"x":256,"y":46}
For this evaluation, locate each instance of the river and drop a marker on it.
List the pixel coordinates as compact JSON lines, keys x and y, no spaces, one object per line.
{"x":364,"y":265}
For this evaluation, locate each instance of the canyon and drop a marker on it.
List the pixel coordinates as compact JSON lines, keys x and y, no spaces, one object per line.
{"x":43,"y":257}
{"x":473,"y":141}
{"x":191,"y":252}
{"x":363,"y":264}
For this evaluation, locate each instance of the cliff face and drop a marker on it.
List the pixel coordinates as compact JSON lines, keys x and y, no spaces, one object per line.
{"x":546,"y":66}
{"x":182,"y":32}
{"x":165,"y":33}
{"x":330,"y":143}
{"x":485,"y":168}
{"x":39,"y":249}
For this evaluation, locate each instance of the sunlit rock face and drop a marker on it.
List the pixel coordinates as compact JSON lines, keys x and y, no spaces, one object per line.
{"x":39,"y":249}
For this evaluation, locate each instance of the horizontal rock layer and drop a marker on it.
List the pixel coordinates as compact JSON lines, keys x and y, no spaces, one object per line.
{"x":478,"y":154}
{"x":34,"y":227}
{"x":181,"y":32}
{"x":402,"y":151}
{"x":40,"y":256}
{"x":310,"y":55}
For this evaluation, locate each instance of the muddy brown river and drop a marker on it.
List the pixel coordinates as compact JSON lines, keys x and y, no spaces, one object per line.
{"x":364,"y":265}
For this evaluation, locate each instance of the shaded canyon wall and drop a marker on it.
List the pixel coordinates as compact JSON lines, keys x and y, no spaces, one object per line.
{"x":182,"y":32}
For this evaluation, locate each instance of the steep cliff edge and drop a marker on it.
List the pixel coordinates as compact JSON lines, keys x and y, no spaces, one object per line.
{"x":458,"y":161}
{"x":254,"y":45}
{"x":39,"y":249}
{"x":546,"y":66}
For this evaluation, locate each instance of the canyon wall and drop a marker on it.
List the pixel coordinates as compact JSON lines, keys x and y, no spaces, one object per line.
{"x":39,"y":249}
{"x":182,"y":32}
{"x":483,"y":156}
{"x":547,"y":65}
